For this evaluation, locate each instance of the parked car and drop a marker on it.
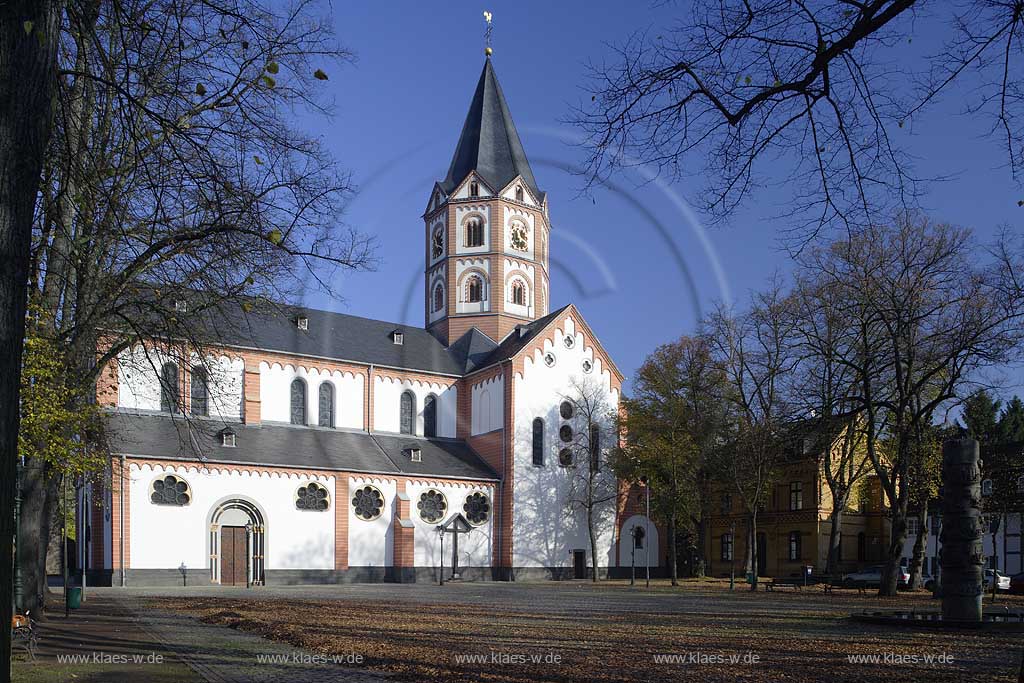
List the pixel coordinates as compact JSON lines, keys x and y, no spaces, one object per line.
{"x":872,"y":576}
{"x":1017,"y":583}
{"x":1002,"y":580}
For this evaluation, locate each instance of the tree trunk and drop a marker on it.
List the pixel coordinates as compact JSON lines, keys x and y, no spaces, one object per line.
{"x":593,"y":544}
{"x":890,"y":573}
{"x":920,"y":546}
{"x":38,"y":495}
{"x":672,"y":563}
{"x":834,"y":539}
{"x":700,"y":567}
{"x":28,"y":49}
{"x":753,"y":552}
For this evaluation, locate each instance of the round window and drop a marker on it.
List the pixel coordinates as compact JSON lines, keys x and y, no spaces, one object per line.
{"x":565,"y":433}
{"x":170,"y":491}
{"x":312,"y":496}
{"x":587,"y":365}
{"x":368,"y":503}
{"x":566,"y":410}
{"x":549,"y":359}
{"x":477,"y":508}
{"x":569,"y":341}
{"x":565,"y":457}
{"x":432,"y":506}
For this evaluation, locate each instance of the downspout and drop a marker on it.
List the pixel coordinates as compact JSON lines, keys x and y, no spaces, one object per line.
{"x":120,"y":533}
{"x":504,"y":459}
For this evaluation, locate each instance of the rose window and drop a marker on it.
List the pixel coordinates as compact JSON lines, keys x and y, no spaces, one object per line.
{"x":312,"y":496}
{"x":368,"y":503}
{"x":477,"y":508}
{"x":432,"y":506}
{"x":170,"y":491}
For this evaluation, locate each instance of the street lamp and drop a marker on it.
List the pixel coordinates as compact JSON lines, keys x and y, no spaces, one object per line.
{"x":248,"y":554}
{"x":183,"y":569}
{"x":440,"y":573}
{"x":647,"y":531}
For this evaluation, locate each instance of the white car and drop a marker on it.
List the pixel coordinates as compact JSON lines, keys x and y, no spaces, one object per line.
{"x":872,"y":576}
{"x":1002,"y":580}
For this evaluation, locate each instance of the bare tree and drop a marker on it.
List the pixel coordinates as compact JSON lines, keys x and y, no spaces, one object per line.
{"x":593,"y":486}
{"x":753,"y":352}
{"x":176,"y":184}
{"x":813,"y":87}
{"x":926,"y":316}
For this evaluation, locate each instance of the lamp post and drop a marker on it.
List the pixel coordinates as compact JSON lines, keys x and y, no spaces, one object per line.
{"x":632,"y":556}
{"x":183,"y":569}
{"x":248,"y":554}
{"x":440,"y":573}
{"x":732,"y":555}
{"x":647,"y":531}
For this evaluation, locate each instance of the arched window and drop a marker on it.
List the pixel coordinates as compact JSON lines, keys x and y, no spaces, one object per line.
{"x":325,"y":405}
{"x":407,"y":412}
{"x":430,"y":415}
{"x":519,"y":193}
{"x":474,"y":232}
{"x":474,"y":189}
{"x":474,"y":289}
{"x":200,"y":392}
{"x":518,"y":293}
{"x":538,"y":442}
{"x":438,"y":297}
{"x":169,"y":397}
{"x":298,"y":402}
{"x":595,"y":447}
{"x":727,"y":547}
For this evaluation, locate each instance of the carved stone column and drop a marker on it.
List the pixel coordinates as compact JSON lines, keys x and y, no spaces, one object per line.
{"x":962,"y":559}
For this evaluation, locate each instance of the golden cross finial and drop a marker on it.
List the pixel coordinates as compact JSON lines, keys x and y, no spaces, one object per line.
{"x":487,"y":33}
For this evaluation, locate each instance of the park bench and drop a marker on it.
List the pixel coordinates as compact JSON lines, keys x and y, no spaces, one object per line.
{"x":858,"y":586}
{"x":796,"y":584}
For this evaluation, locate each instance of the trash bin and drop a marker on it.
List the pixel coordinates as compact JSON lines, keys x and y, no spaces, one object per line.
{"x":74,"y":597}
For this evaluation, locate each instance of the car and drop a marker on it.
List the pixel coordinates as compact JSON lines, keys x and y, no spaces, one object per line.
{"x":1002,"y":580}
{"x":1017,"y":583}
{"x":872,"y":576}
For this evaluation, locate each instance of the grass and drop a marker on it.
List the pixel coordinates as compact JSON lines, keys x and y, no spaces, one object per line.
{"x":54,"y":672}
{"x":600,"y":634}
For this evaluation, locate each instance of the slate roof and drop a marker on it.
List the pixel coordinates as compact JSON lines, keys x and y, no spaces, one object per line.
{"x":521,"y":337}
{"x":162,"y":437}
{"x":489,"y":143}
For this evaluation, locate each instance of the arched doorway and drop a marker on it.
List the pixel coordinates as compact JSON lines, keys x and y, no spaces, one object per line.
{"x":237,"y":543}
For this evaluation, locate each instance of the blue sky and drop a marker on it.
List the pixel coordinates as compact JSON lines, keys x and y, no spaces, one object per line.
{"x":635,"y":259}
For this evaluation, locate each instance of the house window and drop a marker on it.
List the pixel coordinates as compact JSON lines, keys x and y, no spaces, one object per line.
{"x":474,"y":232}
{"x":518,"y":293}
{"x":638,"y":537}
{"x":200,"y":394}
{"x":474,"y":189}
{"x":169,"y":398}
{"x":796,"y":495}
{"x":407,"y":409}
{"x":474,"y":289}
{"x":312,"y":496}
{"x":298,"y":402}
{"x":794,"y":546}
{"x":170,"y":490}
{"x":325,"y":405}
{"x":726,"y":504}
{"x":595,"y":447}
{"x":438,"y":297}
{"x":538,"y":442}
{"x":913,"y":526}
{"x":519,"y":193}
{"x":430,"y":415}
{"x":727,"y":547}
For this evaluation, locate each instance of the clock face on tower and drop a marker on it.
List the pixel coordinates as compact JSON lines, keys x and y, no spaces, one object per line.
{"x":519,"y":237}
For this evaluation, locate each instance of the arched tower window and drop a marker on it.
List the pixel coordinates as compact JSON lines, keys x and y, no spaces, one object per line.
{"x":169,"y":397}
{"x":474,"y":232}
{"x":474,"y":189}
{"x":474,"y":289}
{"x":407,"y":412}
{"x":438,"y":297}
{"x":518,"y":294}
{"x":298,"y":402}
{"x":519,"y":193}
{"x":325,"y":405}
{"x":538,"y":442}
{"x":200,"y":393}
{"x":430,"y":415}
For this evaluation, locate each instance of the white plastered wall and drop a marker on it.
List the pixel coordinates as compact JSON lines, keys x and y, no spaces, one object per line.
{"x":387,"y":393}
{"x":275,"y":394}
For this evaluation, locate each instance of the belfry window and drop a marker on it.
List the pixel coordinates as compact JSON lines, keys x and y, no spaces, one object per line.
{"x":474,"y":289}
{"x":438,"y":297}
{"x":474,"y":232}
{"x":474,"y":189}
{"x":519,"y":193}
{"x":519,"y":293}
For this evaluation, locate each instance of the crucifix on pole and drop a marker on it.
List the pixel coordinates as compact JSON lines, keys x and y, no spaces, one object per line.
{"x":456,"y":524}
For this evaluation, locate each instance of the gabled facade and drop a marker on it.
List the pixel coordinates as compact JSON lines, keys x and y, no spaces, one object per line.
{"x":309,"y":446}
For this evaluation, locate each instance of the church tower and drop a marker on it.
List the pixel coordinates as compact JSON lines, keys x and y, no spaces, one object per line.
{"x":487,"y":230}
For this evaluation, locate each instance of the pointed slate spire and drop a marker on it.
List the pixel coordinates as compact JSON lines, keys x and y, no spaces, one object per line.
{"x":489,"y":143}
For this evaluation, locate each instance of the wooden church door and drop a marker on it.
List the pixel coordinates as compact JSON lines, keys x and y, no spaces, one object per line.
{"x":232,"y":556}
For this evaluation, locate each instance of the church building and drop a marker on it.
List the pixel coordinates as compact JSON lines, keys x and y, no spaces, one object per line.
{"x":306,"y":446}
